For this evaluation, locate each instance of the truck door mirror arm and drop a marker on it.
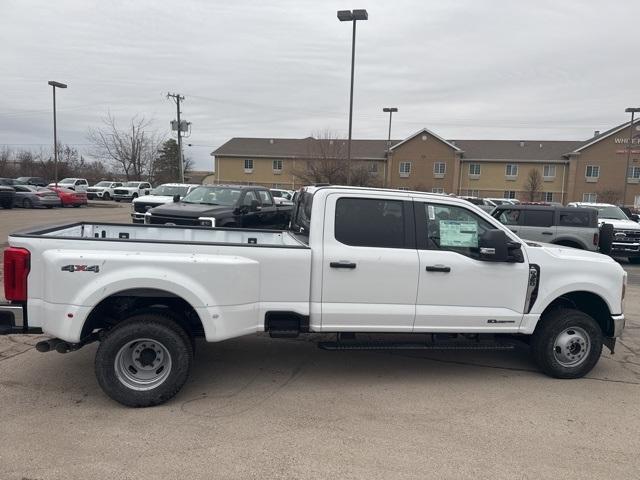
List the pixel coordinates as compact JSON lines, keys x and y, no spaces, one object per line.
{"x":495,"y":246}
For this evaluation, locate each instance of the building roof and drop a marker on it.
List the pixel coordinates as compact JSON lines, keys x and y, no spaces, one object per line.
{"x":516,"y":150}
{"x":298,"y":147}
{"x":543,"y":150}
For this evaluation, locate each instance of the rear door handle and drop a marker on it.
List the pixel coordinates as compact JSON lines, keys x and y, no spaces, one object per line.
{"x":438,"y":268}
{"x":343,"y":264}
{"x":547,"y":233}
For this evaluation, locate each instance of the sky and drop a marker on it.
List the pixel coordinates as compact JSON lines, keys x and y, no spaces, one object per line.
{"x":467,"y":69}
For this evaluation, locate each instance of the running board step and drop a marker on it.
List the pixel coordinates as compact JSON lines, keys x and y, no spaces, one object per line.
{"x":414,"y":346}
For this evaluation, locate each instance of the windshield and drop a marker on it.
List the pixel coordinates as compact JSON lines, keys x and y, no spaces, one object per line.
{"x":611,"y":212}
{"x":214,"y":196}
{"x":131,"y":184}
{"x":102,"y":184}
{"x":169,"y":191}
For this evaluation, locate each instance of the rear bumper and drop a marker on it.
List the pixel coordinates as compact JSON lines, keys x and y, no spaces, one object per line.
{"x":13,"y":319}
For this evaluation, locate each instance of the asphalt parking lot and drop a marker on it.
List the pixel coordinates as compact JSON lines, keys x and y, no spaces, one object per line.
{"x":262,"y":408}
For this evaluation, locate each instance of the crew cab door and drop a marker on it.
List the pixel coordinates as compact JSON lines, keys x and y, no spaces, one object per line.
{"x":456,"y":290}
{"x":538,"y":224}
{"x":268,"y":212}
{"x":370,"y":263}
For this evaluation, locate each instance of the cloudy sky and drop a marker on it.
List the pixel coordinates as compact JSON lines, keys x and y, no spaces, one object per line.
{"x":280,"y":68}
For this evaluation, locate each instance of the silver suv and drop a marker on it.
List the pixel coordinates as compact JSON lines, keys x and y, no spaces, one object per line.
{"x":570,"y":227}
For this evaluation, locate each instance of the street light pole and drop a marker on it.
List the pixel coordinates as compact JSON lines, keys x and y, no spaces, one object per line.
{"x":631,"y":110}
{"x":391,"y":110}
{"x":55,"y":129}
{"x":351,"y":16}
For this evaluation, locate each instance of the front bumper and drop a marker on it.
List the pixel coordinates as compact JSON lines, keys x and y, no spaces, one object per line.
{"x":92,"y":195}
{"x":13,"y":319}
{"x":137,"y":217}
{"x":618,"y":324}
{"x":625,"y":249}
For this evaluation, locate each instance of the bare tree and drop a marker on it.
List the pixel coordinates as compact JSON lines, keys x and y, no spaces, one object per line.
{"x":533,"y":184}
{"x":610,"y":196}
{"x":131,"y":151}
{"x":325,"y":161}
{"x":6,"y":169}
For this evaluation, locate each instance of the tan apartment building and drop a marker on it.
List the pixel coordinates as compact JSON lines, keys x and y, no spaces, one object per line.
{"x":583,"y":170}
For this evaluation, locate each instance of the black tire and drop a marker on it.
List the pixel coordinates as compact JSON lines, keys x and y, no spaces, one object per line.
{"x":135,"y":195}
{"x":26,"y":203}
{"x":49,"y":206}
{"x":106,"y":196}
{"x":634,"y":260}
{"x":117,"y":200}
{"x":150,"y":327}
{"x":559,"y":324}
{"x":605,"y":238}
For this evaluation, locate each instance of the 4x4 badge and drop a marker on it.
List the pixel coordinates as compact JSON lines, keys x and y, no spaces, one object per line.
{"x":81,"y":268}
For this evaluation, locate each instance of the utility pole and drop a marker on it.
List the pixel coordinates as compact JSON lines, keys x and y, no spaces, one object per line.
{"x":178,"y":98}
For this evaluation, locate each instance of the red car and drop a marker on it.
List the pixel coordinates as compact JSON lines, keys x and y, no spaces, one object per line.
{"x":69,"y":197}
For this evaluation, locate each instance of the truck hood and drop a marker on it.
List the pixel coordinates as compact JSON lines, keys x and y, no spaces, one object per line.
{"x":621,"y":224}
{"x":191,"y":210}
{"x":157,"y":199}
{"x":566,"y":253}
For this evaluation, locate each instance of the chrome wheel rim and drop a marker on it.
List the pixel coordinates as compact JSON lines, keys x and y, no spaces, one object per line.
{"x":571,"y":347}
{"x":142,"y":364}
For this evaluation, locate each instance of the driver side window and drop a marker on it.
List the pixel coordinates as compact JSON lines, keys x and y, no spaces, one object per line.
{"x":452,"y":228}
{"x":249,"y":197}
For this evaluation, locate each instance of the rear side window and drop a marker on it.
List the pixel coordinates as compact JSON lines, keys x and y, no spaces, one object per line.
{"x":575,"y":219}
{"x":538,"y":218}
{"x":509,"y":217}
{"x":366,"y":222}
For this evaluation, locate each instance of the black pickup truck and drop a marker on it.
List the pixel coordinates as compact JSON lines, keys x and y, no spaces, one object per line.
{"x":231,"y":206}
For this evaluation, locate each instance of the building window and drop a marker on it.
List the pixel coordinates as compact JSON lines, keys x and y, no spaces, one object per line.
{"x":405,"y":169}
{"x":547,"y":196}
{"x":592,"y":173}
{"x":277,"y":166}
{"x":634,"y":172}
{"x":248,"y":165}
{"x":437,"y":190}
{"x":509,"y":194}
{"x":590,"y":197}
{"x":549,"y":171}
{"x":373,"y":168}
{"x":511,"y":170}
{"x":474,"y":169}
{"x":471,"y":193}
{"x":439,"y":169}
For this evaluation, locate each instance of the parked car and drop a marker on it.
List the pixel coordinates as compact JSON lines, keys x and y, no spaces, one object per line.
{"x":484,"y":203}
{"x":102,"y":190}
{"x":160,"y":195}
{"x":36,"y":181}
{"x":232,"y":206}
{"x":282,"y":196}
{"x":11,"y":182}
{"x":7,"y":196}
{"x":70,"y":197}
{"x":131,"y":190}
{"x":626,"y":232}
{"x":355,"y":260}
{"x":30,"y":196}
{"x":75,"y":184}
{"x":504,"y":201}
{"x":569,"y":227}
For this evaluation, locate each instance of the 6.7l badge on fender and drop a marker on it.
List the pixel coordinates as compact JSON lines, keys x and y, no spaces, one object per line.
{"x":81,"y":268}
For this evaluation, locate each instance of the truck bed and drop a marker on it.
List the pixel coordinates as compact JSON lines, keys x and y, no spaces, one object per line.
{"x":164,"y":234}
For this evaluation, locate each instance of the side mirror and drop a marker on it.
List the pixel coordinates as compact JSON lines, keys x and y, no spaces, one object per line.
{"x":176,"y":198}
{"x":255,"y":206}
{"x":635,"y":217}
{"x":495,"y":246}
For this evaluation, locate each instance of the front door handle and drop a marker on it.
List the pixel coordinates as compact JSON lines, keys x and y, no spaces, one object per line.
{"x":438,"y":268}
{"x":547,"y":233}
{"x":343,"y":264}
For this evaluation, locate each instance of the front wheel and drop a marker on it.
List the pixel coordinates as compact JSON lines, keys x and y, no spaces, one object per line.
{"x":567,"y":343}
{"x":144,"y":361}
{"x":106,"y":196}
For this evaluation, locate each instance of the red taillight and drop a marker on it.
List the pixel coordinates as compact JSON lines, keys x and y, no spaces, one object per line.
{"x":17,"y":262}
{"x":596,"y":239}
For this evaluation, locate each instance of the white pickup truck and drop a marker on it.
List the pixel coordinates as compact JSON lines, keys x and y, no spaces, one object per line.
{"x":355,"y":260}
